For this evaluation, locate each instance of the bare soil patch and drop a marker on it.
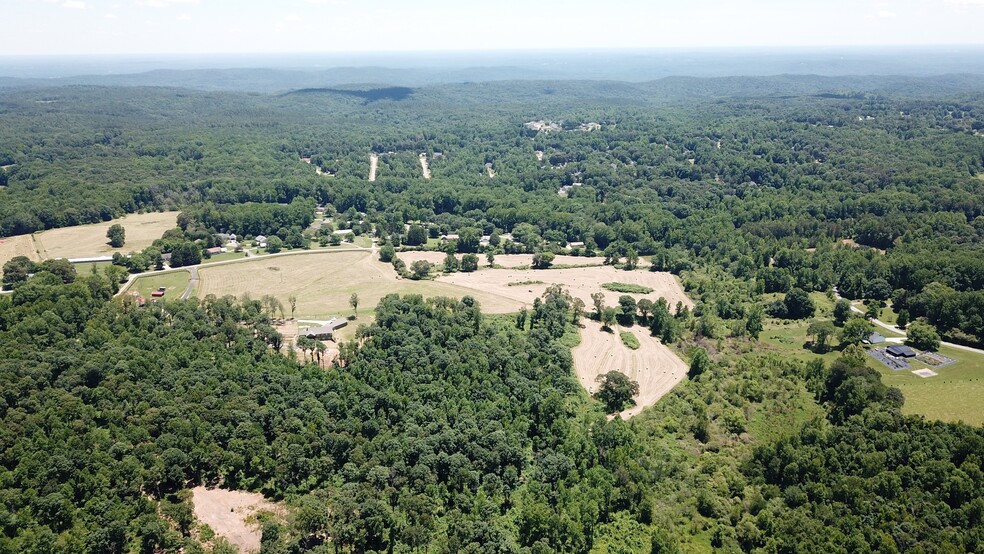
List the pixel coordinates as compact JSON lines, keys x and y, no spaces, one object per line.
{"x":90,"y":240}
{"x":582,"y":282}
{"x":231,"y":514}
{"x":654,"y":366}
{"x":539,"y":155}
{"x":424,"y":168}
{"x":19,"y":245}
{"x":373,"y":164}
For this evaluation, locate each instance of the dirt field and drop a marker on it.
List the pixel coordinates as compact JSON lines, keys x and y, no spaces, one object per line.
{"x":424,"y":168}
{"x":226,"y":513}
{"x":373,"y":164}
{"x":503,"y":260}
{"x":90,"y":240}
{"x":653,"y":365}
{"x":20,"y":245}
{"x":324,"y":282}
{"x":581,"y":282}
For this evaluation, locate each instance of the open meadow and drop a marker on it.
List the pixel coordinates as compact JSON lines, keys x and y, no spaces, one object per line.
{"x":324,"y":283}
{"x":86,"y":241}
{"x":523,"y":286}
{"x":653,"y":365}
{"x":501,"y":260}
{"x":19,"y":245}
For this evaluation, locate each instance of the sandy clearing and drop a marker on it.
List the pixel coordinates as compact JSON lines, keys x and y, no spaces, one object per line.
{"x":19,"y":245}
{"x":488,"y":167}
{"x":226,"y":512}
{"x":539,"y":155}
{"x":90,"y":240}
{"x":656,"y":368}
{"x":503,"y":260}
{"x":582,"y":282}
{"x":324,"y":282}
{"x":373,"y":164}
{"x":424,"y":168}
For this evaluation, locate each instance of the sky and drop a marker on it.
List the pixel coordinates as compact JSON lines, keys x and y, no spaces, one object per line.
{"x":57,"y":27}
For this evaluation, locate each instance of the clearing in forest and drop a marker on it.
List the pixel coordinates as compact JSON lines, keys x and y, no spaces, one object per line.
{"x":653,"y":365}
{"x":373,"y":164}
{"x":324,"y":283}
{"x":19,"y":245}
{"x":501,"y":260}
{"x":232,"y":514}
{"x":424,"y":168}
{"x":85,"y":241}
{"x":488,"y":167}
{"x":581,"y":282}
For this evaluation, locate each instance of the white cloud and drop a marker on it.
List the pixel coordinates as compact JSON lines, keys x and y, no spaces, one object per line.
{"x":292,"y":18}
{"x":74,"y":5}
{"x":184,"y":17}
{"x":111,"y":16}
{"x":164,"y":3}
{"x":887,"y":14}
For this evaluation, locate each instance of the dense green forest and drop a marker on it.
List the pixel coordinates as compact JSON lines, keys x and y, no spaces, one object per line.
{"x":445,"y":430}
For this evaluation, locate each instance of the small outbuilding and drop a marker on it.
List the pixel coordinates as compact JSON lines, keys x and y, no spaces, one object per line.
{"x":901,"y":351}
{"x":875,"y":338}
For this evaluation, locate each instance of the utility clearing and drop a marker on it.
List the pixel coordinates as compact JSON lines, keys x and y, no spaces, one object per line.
{"x":424,"y":168}
{"x":232,"y":514}
{"x":373,"y":164}
{"x":654,"y":366}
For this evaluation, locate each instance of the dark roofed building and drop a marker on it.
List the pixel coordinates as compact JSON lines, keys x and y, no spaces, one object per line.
{"x":901,"y":351}
{"x":875,"y":338}
{"x":326,"y":331}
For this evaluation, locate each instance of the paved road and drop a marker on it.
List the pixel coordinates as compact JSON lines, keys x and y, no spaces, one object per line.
{"x":902,"y":332}
{"x":191,"y":283}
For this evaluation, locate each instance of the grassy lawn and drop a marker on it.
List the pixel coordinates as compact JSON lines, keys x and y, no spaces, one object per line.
{"x":957,"y":393}
{"x":225,"y":256}
{"x":86,"y":268}
{"x":175,"y":282}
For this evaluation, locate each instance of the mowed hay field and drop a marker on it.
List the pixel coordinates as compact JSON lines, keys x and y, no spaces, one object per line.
{"x":654,"y":366}
{"x":20,"y":245}
{"x":582,"y":282}
{"x":324,"y":281}
{"x":501,"y":260}
{"x":87,"y":241}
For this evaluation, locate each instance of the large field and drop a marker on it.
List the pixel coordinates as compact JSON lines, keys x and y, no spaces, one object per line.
{"x":656,"y":368}
{"x":324,"y":282}
{"x":581,"y":282}
{"x":90,"y":240}
{"x":20,"y":245}
{"x":501,"y":260}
